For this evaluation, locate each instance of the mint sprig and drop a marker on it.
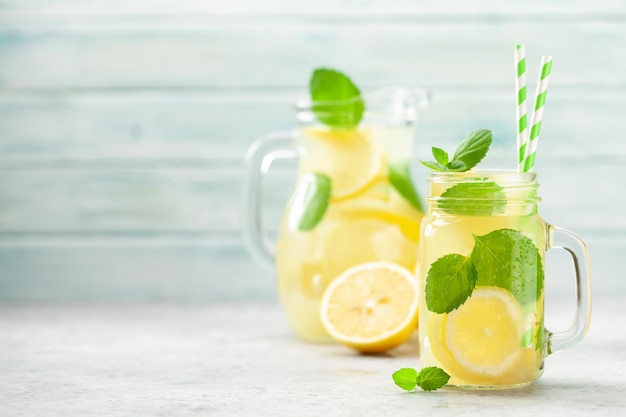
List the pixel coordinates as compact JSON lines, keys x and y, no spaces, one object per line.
{"x":337,"y":101}
{"x":467,"y":155}
{"x":429,"y":379}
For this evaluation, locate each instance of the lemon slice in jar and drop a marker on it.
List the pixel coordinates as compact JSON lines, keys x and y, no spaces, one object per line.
{"x":480,"y":341}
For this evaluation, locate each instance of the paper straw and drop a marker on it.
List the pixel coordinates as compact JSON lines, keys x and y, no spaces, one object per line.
{"x":535,"y":123}
{"x":522,"y":118}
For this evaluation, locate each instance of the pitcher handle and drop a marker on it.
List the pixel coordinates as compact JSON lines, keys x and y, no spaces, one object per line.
{"x":572,"y":243}
{"x":257,"y":161}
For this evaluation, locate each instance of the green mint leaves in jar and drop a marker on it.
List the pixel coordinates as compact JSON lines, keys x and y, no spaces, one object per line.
{"x":504,"y":258}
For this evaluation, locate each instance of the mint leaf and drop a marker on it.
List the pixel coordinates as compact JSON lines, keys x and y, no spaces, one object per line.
{"x":405,"y":378}
{"x":310,"y":200}
{"x":508,"y":259}
{"x":432,"y":378}
{"x":541,"y":335}
{"x":400,"y":179}
{"x":482,"y":197}
{"x":473,"y":148}
{"x":450,"y":281}
{"x":440,"y":155}
{"x":457,"y":166}
{"x":428,"y":379}
{"x":435,"y":166}
{"x":467,"y":155}
{"x":527,"y":338}
{"x":337,"y":101}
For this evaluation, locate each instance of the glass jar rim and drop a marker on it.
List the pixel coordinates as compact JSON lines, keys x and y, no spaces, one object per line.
{"x":508,"y":176}
{"x":485,"y":187}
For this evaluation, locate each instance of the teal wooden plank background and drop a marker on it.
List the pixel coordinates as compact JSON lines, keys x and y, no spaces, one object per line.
{"x":123,"y":126}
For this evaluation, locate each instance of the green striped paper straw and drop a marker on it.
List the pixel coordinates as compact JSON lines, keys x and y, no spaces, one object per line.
{"x":522,"y":118}
{"x":535,"y":124}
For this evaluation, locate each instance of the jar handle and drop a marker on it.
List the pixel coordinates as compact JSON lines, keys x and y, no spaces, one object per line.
{"x":257,"y":161}
{"x":572,"y":243}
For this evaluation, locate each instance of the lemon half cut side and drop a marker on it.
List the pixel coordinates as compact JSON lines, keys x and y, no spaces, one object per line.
{"x":371,"y":307}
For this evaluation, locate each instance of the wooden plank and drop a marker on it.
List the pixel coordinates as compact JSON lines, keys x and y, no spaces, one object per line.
{"x":307,"y":6}
{"x":245,"y":55}
{"x":584,"y":197}
{"x":216,"y":270}
{"x":109,"y":201}
{"x":161,"y":129}
{"x":209,"y":270}
{"x":138,"y":125}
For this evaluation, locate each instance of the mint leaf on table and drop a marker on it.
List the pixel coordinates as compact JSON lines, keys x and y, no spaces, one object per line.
{"x":432,"y":378}
{"x":337,"y":101}
{"x":428,"y":379}
{"x":467,"y":155}
{"x":450,"y":281}
{"x":481,"y":197}
{"x":508,"y":259}
{"x":400,"y":178}
{"x":405,"y":378}
{"x":311,"y":199}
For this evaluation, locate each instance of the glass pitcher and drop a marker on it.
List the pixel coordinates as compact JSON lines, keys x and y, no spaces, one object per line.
{"x":353,"y":201}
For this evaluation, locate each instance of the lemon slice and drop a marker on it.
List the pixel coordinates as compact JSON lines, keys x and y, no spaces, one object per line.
{"x":481,"y":339}
{"x":527,"y":368}
{"x":351,"y":159}
{"x":371,"y":307}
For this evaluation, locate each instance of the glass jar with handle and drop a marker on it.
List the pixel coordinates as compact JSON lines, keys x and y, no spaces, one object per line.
{"x":481,"y":277}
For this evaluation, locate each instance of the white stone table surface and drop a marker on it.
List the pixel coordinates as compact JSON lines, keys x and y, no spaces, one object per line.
{"x":241,"y":360}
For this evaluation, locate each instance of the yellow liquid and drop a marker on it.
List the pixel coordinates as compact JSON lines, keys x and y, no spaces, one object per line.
{"x":491,"y":340}
{"x":366,"y":220}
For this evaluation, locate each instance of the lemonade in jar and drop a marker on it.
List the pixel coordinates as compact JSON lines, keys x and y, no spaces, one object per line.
{"x":353,"y":201}
{"x":481,"y":273}
{"x":481,"y":270}
{"x":483,"y":278}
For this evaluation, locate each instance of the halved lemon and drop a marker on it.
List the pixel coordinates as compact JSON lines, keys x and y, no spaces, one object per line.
{"x":371,"y":307}
{"x":352,"y":158}
{"x":479,"y":341}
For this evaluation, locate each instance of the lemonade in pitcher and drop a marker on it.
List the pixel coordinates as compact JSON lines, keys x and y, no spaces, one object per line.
{"x":366,"y":218}
{"x":353,"y":200}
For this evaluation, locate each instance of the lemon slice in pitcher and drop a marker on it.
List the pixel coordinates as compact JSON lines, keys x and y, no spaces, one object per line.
{"x":371,"y":307}
{"x":351,"y":158}
{"x":481,"y":339}
{"x":365,"y":239}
